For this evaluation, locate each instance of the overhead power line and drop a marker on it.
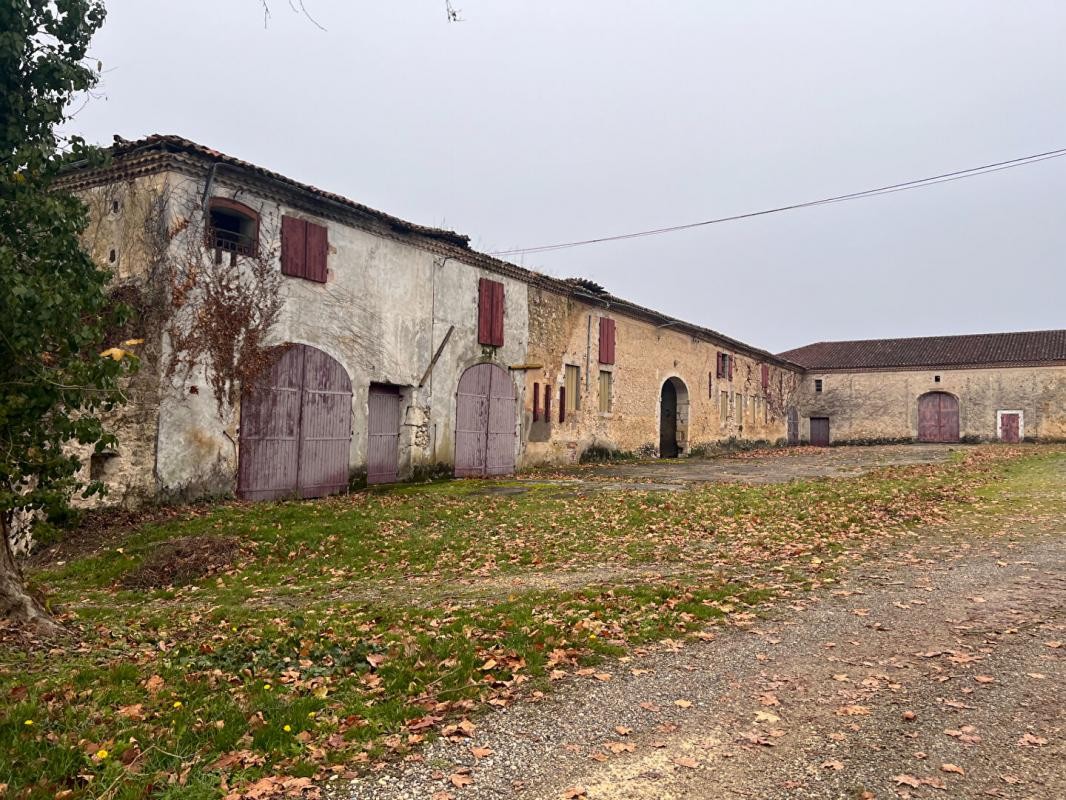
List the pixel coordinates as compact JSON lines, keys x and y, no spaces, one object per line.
{"x":919,"y":183}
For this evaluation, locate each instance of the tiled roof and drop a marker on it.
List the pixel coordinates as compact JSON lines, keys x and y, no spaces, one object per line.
{"x":977,"y":350}
{"x":177,"y":144}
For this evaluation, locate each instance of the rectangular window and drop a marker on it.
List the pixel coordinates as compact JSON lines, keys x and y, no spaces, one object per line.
{"x":723,"y":365}
{"x":723,"y":406}
{"x":490,"y":313}
{"x":304,"y":249}
{"x":606,"y":340}
{"x":710,"y":385}
{"x":562,"y":404}
{"x":536,"y":402}
{"x":547,"y":402}
{"x":742,"y":402}
{"x":605,"y":392}
{"x":818,"y":385}
{"x":573,"y":388}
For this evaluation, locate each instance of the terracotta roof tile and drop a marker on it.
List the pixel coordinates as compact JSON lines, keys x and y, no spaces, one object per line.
{"x":976,"y":350}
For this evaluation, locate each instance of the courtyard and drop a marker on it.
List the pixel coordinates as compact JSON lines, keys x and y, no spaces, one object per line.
{"x":796,"y":623}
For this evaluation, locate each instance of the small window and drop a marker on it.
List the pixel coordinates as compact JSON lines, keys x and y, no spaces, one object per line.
{"x":573,"y":388}
{"x":818,"y":385}
{"x":605,"y":392}
{"x":723,"y":406}
{"x":725,"y":366}
{"x":536,"y":402}
{"x":101,"y":464}
{"x":547,"y":402}
{"x":234,"y":228}
{"x":710,"y":385}
{"x":936,"y":379}
{"x":113,"y":256}
{"x":115,"y":207}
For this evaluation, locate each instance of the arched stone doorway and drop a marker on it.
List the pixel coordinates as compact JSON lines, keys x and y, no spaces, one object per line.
{"x":296,"y":428}
{"x":485,"y":422}
{"x":673,"y":418}
{"x":938,"y":417}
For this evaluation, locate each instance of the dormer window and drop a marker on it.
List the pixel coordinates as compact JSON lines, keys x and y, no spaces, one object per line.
{"x":233,"y":228}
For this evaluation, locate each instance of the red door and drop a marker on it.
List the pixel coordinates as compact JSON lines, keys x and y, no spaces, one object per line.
{"x":485,"y":421}
{"x":1010,"y":428}
{"x":295,"y":432}
{"x":938,"y":417}
{"x":383,"y":434}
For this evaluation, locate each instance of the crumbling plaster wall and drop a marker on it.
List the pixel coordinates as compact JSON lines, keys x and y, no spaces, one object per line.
{"x":884,"y":405}
{"x":385,"y":308}
{"x":565,"y":330}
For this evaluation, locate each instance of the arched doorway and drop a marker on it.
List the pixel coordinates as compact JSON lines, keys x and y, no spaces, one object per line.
{"x":673,"y":418}
{"x":296,"y":428}
{"x":938,"y":417}
{"x":485,"y":422}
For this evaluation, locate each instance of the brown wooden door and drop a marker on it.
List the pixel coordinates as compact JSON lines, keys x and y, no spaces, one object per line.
{"x":383,"y":434}
{"x":938,"y":417}
{"x":295,"y":433}
{"x":485,"y":420}
{"x":1009,"y":427}
{"x":820,"y":431}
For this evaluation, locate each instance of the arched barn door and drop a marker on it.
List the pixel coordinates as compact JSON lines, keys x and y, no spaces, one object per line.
{"x":938,"y":417}
{"x":296,"y":429}
{"x":485,"y":422}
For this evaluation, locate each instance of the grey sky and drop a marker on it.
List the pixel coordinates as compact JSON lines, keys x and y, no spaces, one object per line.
{"x":538,"y":121}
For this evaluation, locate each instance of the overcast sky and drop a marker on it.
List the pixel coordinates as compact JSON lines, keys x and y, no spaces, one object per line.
{"x":535,"y":122}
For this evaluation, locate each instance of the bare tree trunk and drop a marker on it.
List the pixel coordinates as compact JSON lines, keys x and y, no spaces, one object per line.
{"x":16,"y":604}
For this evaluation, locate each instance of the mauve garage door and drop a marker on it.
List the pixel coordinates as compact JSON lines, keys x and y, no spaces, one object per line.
{"x":485,"y":421}
{"x":295,"y":433}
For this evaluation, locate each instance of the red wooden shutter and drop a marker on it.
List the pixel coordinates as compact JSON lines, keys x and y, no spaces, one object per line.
{"x":730,"y":361}
{"x":536,"y":402}
{"x":317,"y":252}
{"x":710,"y":386}
{"x":720,"y":365}
{"x":293,"y":247}
{"x":484,"y":311}
{"x":562,"y":404}
{"x":547,"y":402}
{"x":497,"y":313}
{"x":490,"y":312}
{"x":606,"y":340}
{"x":765,"y":377}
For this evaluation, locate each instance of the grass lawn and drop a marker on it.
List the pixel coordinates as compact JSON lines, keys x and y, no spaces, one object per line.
{"x":346,"y":631}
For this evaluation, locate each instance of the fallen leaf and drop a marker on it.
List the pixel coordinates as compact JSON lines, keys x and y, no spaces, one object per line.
{"x":984,"y":679}
{"x":907,"y":780}
{"x":574,"y":792}
{"x":460,"y":779}
{"x":684,"y":761}
{"x":833,"y":765}
{"x":481,"y":752}
{"x":952,"y":768}
{"x":622,"y":730}
{"x":1032,"y":741}
{"x":683,"y":703}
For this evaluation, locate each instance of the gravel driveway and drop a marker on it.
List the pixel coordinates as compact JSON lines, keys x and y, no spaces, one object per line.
{"x":936,"y":674}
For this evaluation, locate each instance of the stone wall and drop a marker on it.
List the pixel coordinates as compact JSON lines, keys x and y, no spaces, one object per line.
{"x":884,"y":405}
{"x":565,"y":330}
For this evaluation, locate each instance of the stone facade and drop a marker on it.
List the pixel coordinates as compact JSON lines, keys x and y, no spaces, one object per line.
{"x":564,"y":330}
{"x":884,"y":404}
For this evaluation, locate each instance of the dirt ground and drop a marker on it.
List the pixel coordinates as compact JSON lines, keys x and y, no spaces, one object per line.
{"x":934,"y":672}
{"x":773,"y":466}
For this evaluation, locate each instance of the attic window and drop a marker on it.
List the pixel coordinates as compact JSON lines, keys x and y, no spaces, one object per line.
{"x":936,"y":379}
{"x":234,"y":228}
{"x":817,"y":384}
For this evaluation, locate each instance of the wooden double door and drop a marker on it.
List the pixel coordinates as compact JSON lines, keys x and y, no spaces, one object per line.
{"x":938,"y":417}
{"x":485,"y":422}
{"x":296,"y":428}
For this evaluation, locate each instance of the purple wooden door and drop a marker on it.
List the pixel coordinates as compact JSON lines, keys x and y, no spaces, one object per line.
{"x":383,"y":434}
{"x":295,"y":430}
{"x":1010,"y":428}
{"x":485,"y":410}
{"x":938,"y":417}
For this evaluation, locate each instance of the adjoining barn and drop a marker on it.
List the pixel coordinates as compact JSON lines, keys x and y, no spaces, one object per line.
{"x":996,"y":386}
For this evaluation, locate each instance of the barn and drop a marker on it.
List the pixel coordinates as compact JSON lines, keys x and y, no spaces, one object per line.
{"x":983,"y":387}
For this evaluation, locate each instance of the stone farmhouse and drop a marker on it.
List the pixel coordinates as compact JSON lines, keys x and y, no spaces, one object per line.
{"x":403,"y":352}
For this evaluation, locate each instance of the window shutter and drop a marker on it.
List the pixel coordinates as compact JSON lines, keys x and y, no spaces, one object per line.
{"x":710,"y":386}
{"x":547,"y":402}
{"x":497,"y":313}
{"x":562,"y":404}
{"x":765,"y":377}
{"x":317,"y":252}
{"x":606,"y":340}
{"x":536,"y":402}
{"x":484,"y":311}
{"x":293,"y":247}
{"x":490,"y":312}
{"x":730,"y":361}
